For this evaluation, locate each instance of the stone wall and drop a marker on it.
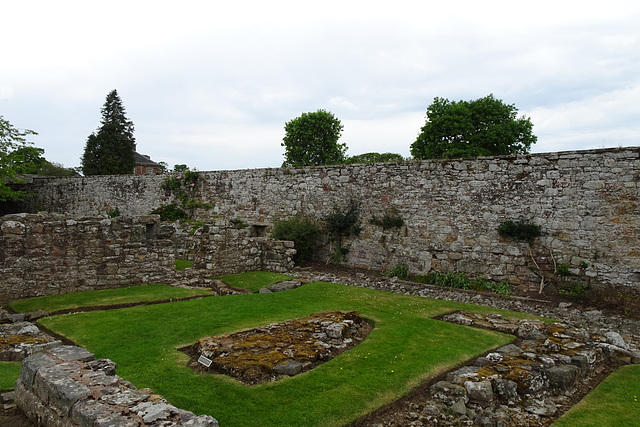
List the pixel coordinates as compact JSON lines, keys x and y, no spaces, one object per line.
{"x":45,"y":254}
{"x":587,"y":203}
{"x":65,"y":386}
{"x":222,"y":247}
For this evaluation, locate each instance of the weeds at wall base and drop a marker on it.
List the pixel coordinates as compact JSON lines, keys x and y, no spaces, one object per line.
{"x":459,"y":280}
{"x":613,"y":300}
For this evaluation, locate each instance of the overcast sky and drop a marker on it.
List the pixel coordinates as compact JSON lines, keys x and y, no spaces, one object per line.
{"x":211,"y":84}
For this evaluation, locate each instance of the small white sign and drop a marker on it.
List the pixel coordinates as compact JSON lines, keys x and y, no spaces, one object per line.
{"x":205,"y":361}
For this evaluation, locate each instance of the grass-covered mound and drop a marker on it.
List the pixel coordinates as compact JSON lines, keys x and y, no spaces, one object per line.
{"x":406,"y":347}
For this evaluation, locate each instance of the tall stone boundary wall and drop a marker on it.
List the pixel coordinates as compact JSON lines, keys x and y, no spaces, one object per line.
{"x":46,"y":254}
{"x":587,"y":203}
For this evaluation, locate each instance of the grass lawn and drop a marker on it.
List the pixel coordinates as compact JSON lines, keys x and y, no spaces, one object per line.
{"x":406,"y":347}
{"x":103,"y":297}
{"x":182,"y":264}
{"x":253,"y":280}
{"x":9,"y":373}
{"x":613,"y":403}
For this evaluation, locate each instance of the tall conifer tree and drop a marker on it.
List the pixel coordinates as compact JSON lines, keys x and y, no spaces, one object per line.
{"x":110,"y":150}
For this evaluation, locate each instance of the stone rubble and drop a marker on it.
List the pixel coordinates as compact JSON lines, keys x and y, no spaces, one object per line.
{"x":281,"y":349}
{"x":21,"y":339}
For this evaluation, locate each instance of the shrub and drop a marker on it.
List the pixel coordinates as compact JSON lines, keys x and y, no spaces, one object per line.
{"x":520,"y":230}
{"x":563,"y":269}
{"x":344,"y":223}
{"x":388,"y":221}
{"x":401,"y":271}
{"x":171,"y":212}
{"x":340,"y":224}
{"x":113,"y":212}
{"x":501,"y":288}
{"x":181,"y":184}
{"x":302,"y":231}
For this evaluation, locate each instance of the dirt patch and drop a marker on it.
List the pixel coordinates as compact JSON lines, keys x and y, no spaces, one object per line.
{"x":280,"y":349}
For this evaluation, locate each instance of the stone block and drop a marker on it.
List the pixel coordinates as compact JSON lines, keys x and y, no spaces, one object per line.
{"x":545,"y":408}
{"x":12,"y":227}
{"x":505,"y":389}
{"x":616,"y":339}
{"x":31,"y":365}
{"x":562,"y":378}
{"x":290,"y":368}
{"x":69,"y":353}
{"x":480,"y":392}
{"x":91,"y":414}
{"x":510,"y":350}
{"x":201,"y":421}
{"x":151,"y":412}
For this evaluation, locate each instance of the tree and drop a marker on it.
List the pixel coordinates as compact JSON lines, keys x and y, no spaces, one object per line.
{"x":11,"y":139}
{"x":312,"y":139}
{"x":28,"y":160}
{"x":483,"y":127}
{"x":110,"y":150}
{"x":375,"y":158}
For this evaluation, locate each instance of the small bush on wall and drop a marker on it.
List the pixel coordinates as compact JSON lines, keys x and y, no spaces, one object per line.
{"x":520,"y":230}
{"x":170,"y":212}
{"x":389,"y":220}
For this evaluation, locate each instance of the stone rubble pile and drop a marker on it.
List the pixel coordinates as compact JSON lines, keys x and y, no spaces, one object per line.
{"x":281,"y":349}
{"x":523,"y":383}
{"x":21,"y":339}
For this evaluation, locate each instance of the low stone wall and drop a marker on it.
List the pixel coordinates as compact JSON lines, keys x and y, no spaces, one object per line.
{"x":223,"y":247}
{"x":46,"y":254}
{"x":65,"y":386}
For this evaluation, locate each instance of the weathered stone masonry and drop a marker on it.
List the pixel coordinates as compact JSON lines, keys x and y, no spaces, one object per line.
{"x":45,"y":254}
{"x":587,"y":203}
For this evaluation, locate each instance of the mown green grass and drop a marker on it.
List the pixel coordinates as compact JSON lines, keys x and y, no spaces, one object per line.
{"x":406,"y":347}
{"x":9,"y":373}
{"x":613,"y":403}
{"x":104,"y":297}
{"x":182,"y":264}
{"x":253,"y":280}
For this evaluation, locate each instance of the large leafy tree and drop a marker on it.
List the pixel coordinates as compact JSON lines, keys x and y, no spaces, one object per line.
{"x":11,"y":139}
{"x":312,"y":139}
{"x":483,"y":127}
{"x":28,"y":160}
{"x":110,"y":150}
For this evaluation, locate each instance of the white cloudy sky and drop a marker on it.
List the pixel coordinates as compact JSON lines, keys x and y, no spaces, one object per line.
{"x":211,"y":84}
